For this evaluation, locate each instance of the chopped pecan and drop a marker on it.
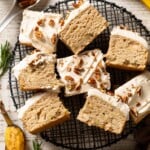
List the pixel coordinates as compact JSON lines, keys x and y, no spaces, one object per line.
{"x":80,"y":62}
{"x":139,"y":91}
{"x":78,"y":87}
{"x":38,"y":34}
{"x":93,"y":53}
{"x":138,"y":104}
{"x":78,"y":70}
{"x":119,"y":97}
{"x":52,"y":23}
{"x":129,"y":94}
{"x":77,"y":5}
{"x":125,"y":99}
{"x":134,"y":111}
{"x":41,"y":22}
{"x":36,"y":28}
{"x":92,"y":82}
{"x":69,"y":78}
{"x":61,"y":21}
{"x":53,"y":39}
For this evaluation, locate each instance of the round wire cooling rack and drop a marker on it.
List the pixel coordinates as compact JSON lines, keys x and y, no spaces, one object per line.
{"x":74,"y":134}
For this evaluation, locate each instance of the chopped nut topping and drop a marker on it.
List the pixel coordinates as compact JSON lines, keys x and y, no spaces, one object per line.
{"x":78,"y":70}
{"x":129,"y":94}
{"x":77,"y":5}
{"x":93,"y":53}
{"x":138,"y":104}
{"x":123,"y":27}
{"x":41,"y":22}
{"x":125,"y":99}
{"x":80,"y":62}
{"x":134,"y":111}
{"x":61,"y":21}
{"x":38,"y":34}
{"x":119,"y":97}
{"x":78,"y":87}
{"x":36,"y":29}
{"x":52,"y":23}
{"x":69,"y":79}
{"x":53,"y":39}
{"x":139,"y":91}
{"x":92,"y":82}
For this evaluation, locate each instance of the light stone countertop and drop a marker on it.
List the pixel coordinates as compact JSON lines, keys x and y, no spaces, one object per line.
{"x":12,"y":31}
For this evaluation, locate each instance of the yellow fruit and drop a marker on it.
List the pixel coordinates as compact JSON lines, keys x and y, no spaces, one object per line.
{"x":146,"y":2}
{"x":14,"y":138}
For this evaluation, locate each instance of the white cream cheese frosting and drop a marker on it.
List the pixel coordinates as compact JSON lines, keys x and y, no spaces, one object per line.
{"x":28,"y":104}
{"x":47,"y":25}
{"x":111,"y":100}
{"x":129,"y":34}
{"x":136,"y":94}
{"x":29,"y":58}
{"x":29,"y":19}
{"x":75,"y":12}
{"x":33,"y":20}
{"x":80,"y":72}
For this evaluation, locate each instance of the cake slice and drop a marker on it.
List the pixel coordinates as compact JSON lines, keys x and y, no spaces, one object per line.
{"x":43,"y":111}
{"x":39,"y":29}
{"x":81,"y":26}
{"x":127,"y":50}
{"x":37,"y":71}
{"x":136,"y":94}
{"x":104,"y":111}
{"x":83,"y":71}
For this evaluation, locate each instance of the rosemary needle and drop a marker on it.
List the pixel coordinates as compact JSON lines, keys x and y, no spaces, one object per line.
{"x":5,"y":56}
{"x":36,"y":145}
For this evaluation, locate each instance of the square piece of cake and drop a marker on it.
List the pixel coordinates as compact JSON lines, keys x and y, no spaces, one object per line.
{"x":39,"y":29}
{"x":104,"y":111}
{"x":42,"y":111}
{"x":81,"y":26}
{"x":83,"y":71}
{"x":36,"y":72}
{"x":127,"y":50}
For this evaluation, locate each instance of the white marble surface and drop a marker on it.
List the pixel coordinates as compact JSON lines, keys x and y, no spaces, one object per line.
{"x":11,"y":32}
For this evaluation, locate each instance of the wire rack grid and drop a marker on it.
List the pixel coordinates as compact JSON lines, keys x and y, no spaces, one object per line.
{"x":74,"y":134}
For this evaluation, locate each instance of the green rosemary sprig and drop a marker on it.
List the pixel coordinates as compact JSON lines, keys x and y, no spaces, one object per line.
{"x":5,"y":55}
{"x":36,"y":145}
